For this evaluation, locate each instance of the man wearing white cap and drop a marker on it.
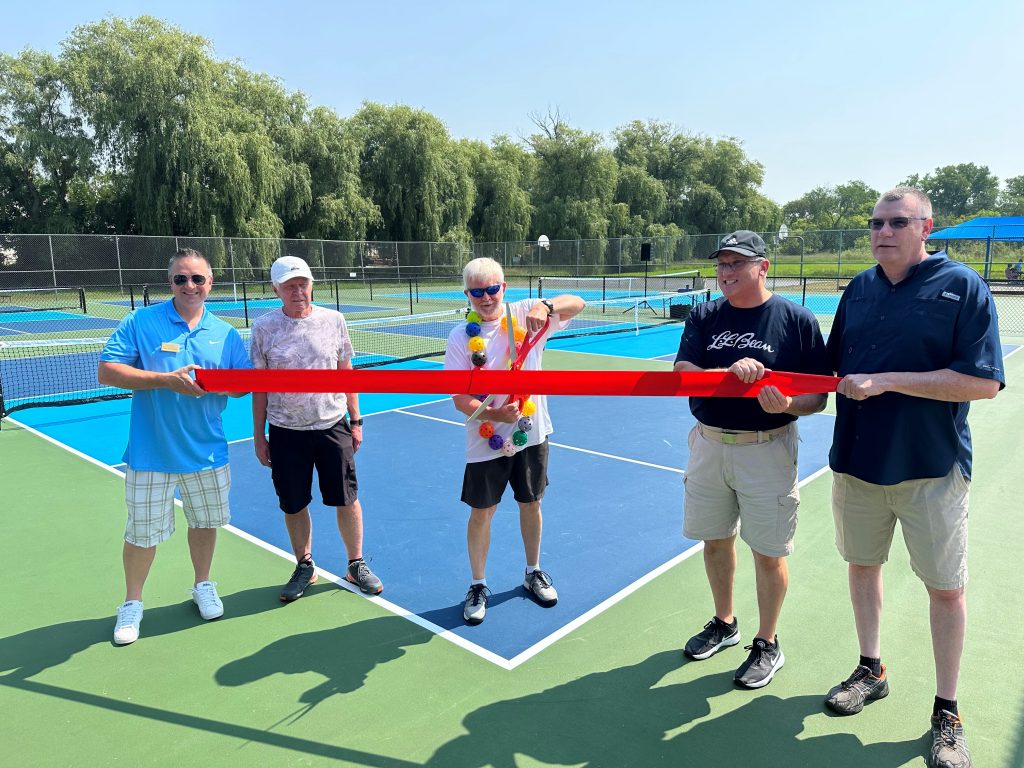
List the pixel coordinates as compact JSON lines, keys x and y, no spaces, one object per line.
{"x":309,"y":430}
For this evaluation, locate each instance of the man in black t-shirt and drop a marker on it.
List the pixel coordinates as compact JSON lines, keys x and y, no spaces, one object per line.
{"x":741,"y":477}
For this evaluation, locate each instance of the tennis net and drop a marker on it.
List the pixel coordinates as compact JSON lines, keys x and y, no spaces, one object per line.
{"x":52,"y":372}
{"x":42,"y":300}
{"x":633,"y":314}
{"x":609,"y":287}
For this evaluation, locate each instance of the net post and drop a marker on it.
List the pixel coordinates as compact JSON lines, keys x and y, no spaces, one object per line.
{"x":245,"y":304}
{"x":81,"y":300}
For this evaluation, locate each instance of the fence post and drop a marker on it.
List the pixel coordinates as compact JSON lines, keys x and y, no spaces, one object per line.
{"x":120,"y":276}
{"x":53,"y":266}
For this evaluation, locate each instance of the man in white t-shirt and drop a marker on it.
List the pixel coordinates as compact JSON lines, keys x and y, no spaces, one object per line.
{"x":505,"y":445}
{"x":309,"y":430}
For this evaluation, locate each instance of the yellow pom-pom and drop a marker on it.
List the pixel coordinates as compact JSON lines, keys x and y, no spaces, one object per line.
{"x":520,"y":333}
{"x":476,"y":344}
{"x":529,"y":408}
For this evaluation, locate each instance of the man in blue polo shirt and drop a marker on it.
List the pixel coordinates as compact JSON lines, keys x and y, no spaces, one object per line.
{"x":915,"y":340}
{"x":176,"y":439}
{"x":741,"y":477}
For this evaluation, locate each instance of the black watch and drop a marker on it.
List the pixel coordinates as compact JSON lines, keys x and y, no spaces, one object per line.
{"x":356,"y":422}
{"x":549,"y":305}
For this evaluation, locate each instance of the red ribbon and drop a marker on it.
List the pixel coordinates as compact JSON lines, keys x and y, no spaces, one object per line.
{"x":603,"y":383}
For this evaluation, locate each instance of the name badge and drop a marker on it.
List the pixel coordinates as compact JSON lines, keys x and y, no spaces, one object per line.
{"x":169,"y":346}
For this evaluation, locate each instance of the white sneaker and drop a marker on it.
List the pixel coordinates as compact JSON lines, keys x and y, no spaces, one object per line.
{"x":539,"y":585}
{"x":129,"y":616}
{"x":204,"y":595}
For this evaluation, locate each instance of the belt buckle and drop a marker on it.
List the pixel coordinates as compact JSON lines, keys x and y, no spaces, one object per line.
{"x":728,"y":438}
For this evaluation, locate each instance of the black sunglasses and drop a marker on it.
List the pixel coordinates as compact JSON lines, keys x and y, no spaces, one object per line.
{"x":491,"y":290}
{"x":182,"y":279}
{"x":896,"y":222}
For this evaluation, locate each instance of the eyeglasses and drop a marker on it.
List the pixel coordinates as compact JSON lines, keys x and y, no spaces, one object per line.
{"x":896,"y":222}
{"x":732,"y":266}
{"x":182,"y":279}
{"x":490,"y":290}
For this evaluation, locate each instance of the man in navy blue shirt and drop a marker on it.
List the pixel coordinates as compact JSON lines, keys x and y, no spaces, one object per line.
{"x":915,"y":339}
{"x":741,"y":477}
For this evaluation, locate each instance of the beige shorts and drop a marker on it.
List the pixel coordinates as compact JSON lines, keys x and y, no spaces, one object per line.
{"x":150,"y":500}
{"x":932,"y":514}
{"x":749,"y":489}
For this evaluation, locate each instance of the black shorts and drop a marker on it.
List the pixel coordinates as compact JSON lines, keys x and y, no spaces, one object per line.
{"x":527,"y":472}
{"x":295,"y":452}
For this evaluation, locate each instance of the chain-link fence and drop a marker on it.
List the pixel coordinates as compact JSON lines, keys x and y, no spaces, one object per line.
{"x":117,"y":272}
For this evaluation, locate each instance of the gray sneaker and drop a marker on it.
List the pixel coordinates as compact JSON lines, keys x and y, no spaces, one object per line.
{"x":764,"y":660}
{"x":303,"y":575}
{"x":715,"y":636}
{"x":849,"y":696}
{"x":359,"y":573}
{"x":539,"y":585}
{"x":476,"y":603}
{"x":949,"y":747}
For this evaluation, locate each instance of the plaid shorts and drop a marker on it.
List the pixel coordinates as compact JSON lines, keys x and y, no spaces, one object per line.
{"x":150,"y":500}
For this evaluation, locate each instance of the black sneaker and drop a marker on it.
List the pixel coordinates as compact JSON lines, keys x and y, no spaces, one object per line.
{"x":476,"y":604}
{"x":715,"y":636}
{"x":359,"y":573}
{"x":764,"y":661}
{"x":949,"y":747}
{"x":303,"y":575}
{"x":849,"y":696}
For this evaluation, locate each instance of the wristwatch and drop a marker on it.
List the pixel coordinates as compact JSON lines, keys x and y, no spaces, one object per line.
{"x":356,"y":422}
{"x":549,"y":305}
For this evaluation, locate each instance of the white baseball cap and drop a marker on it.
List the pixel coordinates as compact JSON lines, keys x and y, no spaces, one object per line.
{"x":287,"y":267}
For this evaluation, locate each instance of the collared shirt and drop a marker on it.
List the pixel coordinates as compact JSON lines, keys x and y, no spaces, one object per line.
{"x":941,"y":315}
{"x":780,"y":334}
{"x":171,"y":432}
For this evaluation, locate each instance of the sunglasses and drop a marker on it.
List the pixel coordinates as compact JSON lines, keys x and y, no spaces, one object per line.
{"x":896,"y":222}
{"x":182,"y":279}
{"x":490,"y":290}
{"x":732,"y":266}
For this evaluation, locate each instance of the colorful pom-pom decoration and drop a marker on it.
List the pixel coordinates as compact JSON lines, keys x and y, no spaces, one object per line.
{"x":519,"y":438}
{"x":508,"y":448}
{"x":472,"y":329}
{"x":479,"y":358}
{"x":477,"y":344}
{"x":496,"y":442}
{"x":473,"y":317}
{"x":525,"y":424}
{"x":520,"y":333}
{"x":529,"y":408}
{"x":504,"y":324}
{"x":486,"y":430}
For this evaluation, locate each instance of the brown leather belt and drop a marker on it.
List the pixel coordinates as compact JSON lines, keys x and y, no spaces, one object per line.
{"x":740,"y":437}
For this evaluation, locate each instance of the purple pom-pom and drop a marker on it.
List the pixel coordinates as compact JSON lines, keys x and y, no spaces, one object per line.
{"x":496,"y":442}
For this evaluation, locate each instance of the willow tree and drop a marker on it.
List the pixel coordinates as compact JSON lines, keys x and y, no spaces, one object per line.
{"x":175,"y":131}
{"x":502,"y":173}
{"x":416,"y":175}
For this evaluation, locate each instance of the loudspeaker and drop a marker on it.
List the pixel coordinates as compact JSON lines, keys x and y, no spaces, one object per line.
{"x":645,"y":251}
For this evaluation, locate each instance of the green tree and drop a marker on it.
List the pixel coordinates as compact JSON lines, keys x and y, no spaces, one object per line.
{"x":1011,"y":199}
{"x":958,"y":191}
{"x":502,"y":174}
{"x":412,"y":170}
{"x":45,"y":152}
{"x":846,"y":206}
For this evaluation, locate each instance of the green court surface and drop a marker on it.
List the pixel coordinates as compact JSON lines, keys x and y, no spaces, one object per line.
{"x":334,"y":679}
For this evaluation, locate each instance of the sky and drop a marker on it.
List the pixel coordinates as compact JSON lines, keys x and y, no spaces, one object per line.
{"x":819,"y":93}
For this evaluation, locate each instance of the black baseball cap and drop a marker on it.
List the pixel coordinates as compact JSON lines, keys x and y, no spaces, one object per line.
{"x":743,"y":242}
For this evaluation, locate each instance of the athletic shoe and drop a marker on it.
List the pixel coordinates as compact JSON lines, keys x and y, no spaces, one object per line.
{"x":715,"y":636}
{"x":476,"y":603}
{"x":204,"y":595}
{"x":764,"y":661}
{"x":849,"y":696}
{"x":129,"y":616}
{"x":949,"y":747}
{"x":303,"y":575}
{"x":539,"y":585}
{"x":359,"y":573}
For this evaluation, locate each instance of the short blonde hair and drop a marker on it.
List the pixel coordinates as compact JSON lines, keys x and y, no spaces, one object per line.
{"x":482,"y":269}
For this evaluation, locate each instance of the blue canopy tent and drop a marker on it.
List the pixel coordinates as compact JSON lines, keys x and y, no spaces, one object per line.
{"x":1004,"y":229}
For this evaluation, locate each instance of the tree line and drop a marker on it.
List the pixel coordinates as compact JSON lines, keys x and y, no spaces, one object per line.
{"x":135,"y":128}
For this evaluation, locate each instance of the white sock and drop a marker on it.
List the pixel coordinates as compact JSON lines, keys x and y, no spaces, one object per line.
{"x":478,"y":581}
{"x":531,"y":568}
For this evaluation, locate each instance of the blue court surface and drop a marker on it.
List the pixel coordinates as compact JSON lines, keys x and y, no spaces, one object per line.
{"x":48,"y":321}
